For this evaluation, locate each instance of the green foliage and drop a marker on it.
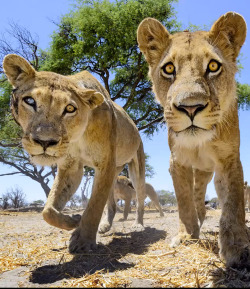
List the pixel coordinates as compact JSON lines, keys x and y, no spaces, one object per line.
{"x":37,"y":203}
{"x":149,"y":170}
{"x":9,"y":130}
{"x":243,"y":92}
{"x":193,"y":28}
{"x":102,"y":34}
{"x":167,"y":198}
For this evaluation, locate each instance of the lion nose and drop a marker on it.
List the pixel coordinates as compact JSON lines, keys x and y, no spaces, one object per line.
{"x":46,"y":143}
{"x":191,"y":110}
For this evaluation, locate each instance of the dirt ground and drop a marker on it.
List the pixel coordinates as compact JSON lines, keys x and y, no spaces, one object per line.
{"x":35,"y":254}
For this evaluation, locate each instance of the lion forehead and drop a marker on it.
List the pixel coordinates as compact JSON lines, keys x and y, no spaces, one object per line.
{"x":190,"y":50}
{"x":52,"y":96}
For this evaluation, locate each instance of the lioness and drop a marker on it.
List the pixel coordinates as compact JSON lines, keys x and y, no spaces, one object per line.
{"x":124,"y":190}
{"x":71,"y":121}
{"x":193,"y":79}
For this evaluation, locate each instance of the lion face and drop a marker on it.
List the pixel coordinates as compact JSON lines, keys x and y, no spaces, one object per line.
{"x":51,"y":109}
{"x":194,"y":84}
{"x":51,"y":120}
{"x":193,"y":75}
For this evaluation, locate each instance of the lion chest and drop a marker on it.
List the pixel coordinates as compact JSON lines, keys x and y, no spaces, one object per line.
{"x":201,"y":158}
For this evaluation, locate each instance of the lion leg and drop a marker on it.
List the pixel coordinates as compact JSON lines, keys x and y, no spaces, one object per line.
{"x":117,"y":206}
{"x":233,"y":234}
{"x":64,"y":186}
{"x":245,"y":198}
{"x":151,"y":193}
{"x":127,"y":207}
{"x":83,"y":238}
{"x":108,"y":214}
{"x":201,"y":179}
{"x":110,"y":208}
{"x":188,"y":219}
{"x":137,"y":176}
{"x":158,"y":206}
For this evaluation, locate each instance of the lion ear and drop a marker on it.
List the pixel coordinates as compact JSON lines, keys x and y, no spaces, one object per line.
{"x":229,"y":33}
{"x":153,"y":38}
{"x":17,"y":69}
{"x":93,"y":98}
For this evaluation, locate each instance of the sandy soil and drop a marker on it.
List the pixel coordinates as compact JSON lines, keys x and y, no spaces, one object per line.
{"x":34,"y":254}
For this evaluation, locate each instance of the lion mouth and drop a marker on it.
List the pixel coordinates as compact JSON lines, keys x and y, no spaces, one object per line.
{"x":44,"y":154}
{"x":45,"y":159}
{"x":193,"y":129}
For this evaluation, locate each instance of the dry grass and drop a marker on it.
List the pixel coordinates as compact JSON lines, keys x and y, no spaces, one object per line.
{"x":126,"y":260}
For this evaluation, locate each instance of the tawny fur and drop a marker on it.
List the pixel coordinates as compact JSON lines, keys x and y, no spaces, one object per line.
{"x":124,"y":190}
{"x":200,"y":108}
{"x":98,"y":134}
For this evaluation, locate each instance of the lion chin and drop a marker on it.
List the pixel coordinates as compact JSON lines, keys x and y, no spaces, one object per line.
{"x":192,"y":137}
{"x":45,"y":159}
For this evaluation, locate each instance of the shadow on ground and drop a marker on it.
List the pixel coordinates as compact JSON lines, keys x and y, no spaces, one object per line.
{"x":110,"y":257}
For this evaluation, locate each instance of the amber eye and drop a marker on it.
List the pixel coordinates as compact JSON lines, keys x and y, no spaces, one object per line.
{"x":168,"y":68}
{"x":213,"y":66}
{"x":70,"y":108}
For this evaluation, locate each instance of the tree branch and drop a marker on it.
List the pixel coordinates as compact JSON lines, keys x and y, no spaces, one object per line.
{"x":159,"y":119}
{"x":10,"y":174}
{"x":10,"y":145}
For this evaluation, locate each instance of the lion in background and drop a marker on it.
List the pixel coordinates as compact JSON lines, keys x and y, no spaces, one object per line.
{"x":71,"y":122}
{"x":124,"y":190}
{"x":247,"y":196}
{"x":193,"y":76}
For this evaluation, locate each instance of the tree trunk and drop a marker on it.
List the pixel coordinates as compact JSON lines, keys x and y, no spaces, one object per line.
{"x":46,"y":188}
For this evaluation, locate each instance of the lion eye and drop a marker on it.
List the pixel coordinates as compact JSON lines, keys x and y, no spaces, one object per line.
{"x":70,"y":108}
{"x":30,"y":101}
{"x":213,"y":66}
{"x":168,"y":68}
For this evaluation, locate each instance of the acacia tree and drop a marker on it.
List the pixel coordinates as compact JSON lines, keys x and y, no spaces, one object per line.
{"x":16,"y":197}
{"x":167,"y":198}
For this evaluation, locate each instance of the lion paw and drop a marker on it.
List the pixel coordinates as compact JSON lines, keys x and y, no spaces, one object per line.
{"x":180,"y":238}
{"x":235,"y":246}
{"x":175,"y":241}
{"x":105,"y":227}
{"x":237,"y":257}
{"x":79,"y":245}
{"x":137,"y":227}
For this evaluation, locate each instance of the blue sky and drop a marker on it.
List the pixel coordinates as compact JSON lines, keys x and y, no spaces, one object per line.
{"x":37,"y":16}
